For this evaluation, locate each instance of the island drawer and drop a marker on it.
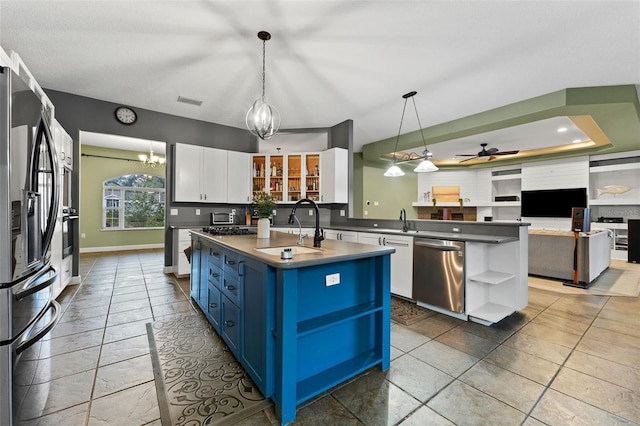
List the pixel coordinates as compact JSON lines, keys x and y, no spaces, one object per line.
{"x":214,"y":255}
{"x":230,"y":325}
{"x":214,"y":307}
{"x":231,"y":264}
{"x":231,"y":288}
{"x":215,"y":275}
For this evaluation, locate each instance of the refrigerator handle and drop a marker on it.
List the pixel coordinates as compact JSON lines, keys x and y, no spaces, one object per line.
{"x":44,"y":330}
{"x":35,"y":284}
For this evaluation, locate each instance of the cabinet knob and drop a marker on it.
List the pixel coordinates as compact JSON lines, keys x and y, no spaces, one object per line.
{"x":229,"y":323}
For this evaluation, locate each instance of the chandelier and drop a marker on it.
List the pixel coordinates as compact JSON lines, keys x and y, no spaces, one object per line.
{"x":425,"y":165}
{"x":263,"y":120}
{"x":151,"y":160}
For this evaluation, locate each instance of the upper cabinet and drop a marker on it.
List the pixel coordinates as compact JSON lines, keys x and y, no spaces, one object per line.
{"x":321,"y":177}
{"x":64,"y":145}
{"x":210,"y":175}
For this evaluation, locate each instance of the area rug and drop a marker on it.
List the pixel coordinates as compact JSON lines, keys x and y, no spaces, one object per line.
{"x":406,"y":312}
{"x":198,"y":380}
{"x":619,"y":279}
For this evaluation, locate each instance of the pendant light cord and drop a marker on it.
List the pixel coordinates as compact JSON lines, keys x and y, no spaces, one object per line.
{"x":264,"y":49}
{"x":400,"y":129}
{"x":424,"y":143}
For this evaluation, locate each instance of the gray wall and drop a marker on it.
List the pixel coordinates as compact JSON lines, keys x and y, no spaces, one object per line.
{"x":79,"y":113}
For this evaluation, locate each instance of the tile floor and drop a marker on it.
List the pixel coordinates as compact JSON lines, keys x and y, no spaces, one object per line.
{"x":565,"y":359}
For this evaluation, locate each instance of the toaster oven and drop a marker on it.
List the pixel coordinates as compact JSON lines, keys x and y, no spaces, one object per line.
{"x":221,"y":218}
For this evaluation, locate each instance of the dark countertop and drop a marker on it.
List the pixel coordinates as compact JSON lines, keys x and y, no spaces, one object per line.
{"x":453,"y":236}
{"x":331,"y":251}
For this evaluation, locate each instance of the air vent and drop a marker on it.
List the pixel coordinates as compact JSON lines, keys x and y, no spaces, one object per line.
{"x":189,"y":101}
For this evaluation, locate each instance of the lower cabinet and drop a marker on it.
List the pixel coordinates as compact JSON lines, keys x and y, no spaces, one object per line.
{"x":230,"y":327}
{"x":401,"y":260}
{"x":214,"y":306}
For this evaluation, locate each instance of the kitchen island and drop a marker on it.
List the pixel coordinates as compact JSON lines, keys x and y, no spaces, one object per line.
{"x":298,"y":326}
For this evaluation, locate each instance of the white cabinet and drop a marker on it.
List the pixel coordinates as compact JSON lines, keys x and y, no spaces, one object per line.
{"x":202,"y":175}
{"x":181,"y":265}
{"x":334,"y":176}
{"x":496,"y":279}
{"x":64,"y":145}
{"x":619,"y":242}
{"x":401,"y":260}
{"x":332,"y":234}
{"x":238,"y":181}
{"x":614,"y":181}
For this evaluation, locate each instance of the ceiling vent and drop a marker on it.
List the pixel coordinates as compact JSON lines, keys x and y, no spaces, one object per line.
{"x":189,"y":101}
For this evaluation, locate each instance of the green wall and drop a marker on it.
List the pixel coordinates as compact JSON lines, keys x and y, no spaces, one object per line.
{"x":391,"y":194}
{"x":93,"y":172}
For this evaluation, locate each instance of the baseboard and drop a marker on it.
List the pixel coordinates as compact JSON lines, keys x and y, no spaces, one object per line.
{"x":121,"y":248}
{"x":167,"y":270}
{"x":75,"y":280}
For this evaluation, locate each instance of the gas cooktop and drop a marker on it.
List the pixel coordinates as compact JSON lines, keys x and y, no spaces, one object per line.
{"x":229,"y":230}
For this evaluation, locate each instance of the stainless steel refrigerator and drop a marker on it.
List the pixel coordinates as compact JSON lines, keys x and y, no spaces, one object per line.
{"x":28,"y":208}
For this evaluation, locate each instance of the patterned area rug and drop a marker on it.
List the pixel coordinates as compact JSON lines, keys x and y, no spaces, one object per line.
{"x":406,"y":312}
{"x":198,"y":380}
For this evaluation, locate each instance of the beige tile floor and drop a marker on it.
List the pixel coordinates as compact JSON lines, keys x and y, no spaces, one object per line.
{"x":565,"y":359}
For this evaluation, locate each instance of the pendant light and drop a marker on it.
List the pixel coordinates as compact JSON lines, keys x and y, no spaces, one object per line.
{"x":394,"y":170}
{"x":425,"y":165}
{"x":263,"y":120}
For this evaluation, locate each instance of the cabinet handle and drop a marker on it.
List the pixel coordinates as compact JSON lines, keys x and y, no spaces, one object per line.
{"x":240,"y":268}
{"x":229,"y":323}
{"x":213,"y":305}
{"x":213,"y":253}
{"x":379,"y":241}
{"x":230,"y":287}
{"x":214,"y":274}
{"x":384,"y":241}
{"x":230,"y":262}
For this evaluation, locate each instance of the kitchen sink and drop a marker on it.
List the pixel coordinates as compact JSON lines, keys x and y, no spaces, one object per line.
{"x":275,"y":251}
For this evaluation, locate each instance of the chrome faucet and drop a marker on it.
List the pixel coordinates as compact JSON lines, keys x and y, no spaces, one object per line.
{"x":403,"y":218}
{"x":300,"y":237}
{"x":318,"y":235}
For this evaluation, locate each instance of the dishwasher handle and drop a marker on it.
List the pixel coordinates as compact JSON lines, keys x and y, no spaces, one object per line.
{"x":439,"y":247}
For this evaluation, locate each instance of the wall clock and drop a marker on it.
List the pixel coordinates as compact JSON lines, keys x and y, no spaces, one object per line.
{"x":126,"y":115}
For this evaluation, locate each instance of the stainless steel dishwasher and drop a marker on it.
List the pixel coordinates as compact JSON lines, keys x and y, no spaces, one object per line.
{"x":438,"y":273}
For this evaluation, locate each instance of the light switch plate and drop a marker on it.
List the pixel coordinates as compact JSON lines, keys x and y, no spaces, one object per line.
{"x":197,"y":212}
{"x":342,"y":213}
{"x":310,"y":212}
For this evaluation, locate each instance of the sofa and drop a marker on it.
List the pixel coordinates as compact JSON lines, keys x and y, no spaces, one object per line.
{"x":551,"y":254}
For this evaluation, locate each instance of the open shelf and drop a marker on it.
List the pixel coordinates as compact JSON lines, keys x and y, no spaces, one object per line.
{"x":335,"y":375}
{"x":319,"y":323}
{"x":614,"y":201}
{"x":505,"y":204}
{"x":491,"y":277}
{"x":507,"y":177}
{"x":491,"y":312}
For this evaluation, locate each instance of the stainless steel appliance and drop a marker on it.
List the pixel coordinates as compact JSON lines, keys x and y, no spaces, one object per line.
{"x":28,"y":207}
{"x":438,"y":273}
{"x":218,"y":218}
{"x":68,"y":215}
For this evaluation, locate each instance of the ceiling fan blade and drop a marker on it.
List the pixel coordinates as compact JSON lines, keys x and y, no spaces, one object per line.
{"x":466,"y":155}
{"x":490,"y":151}
{"x":467,"y":159}
{"x":491,"y":157}
{"x":506,"y":153}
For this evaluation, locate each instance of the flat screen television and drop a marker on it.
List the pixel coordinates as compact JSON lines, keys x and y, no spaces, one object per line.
{"x":552,"y":202}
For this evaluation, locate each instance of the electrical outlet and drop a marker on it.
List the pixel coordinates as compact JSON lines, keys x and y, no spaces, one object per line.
{"x":310,"y":212}
{"x":83,"y":235}
{"x":332,"y":279}
{"x":342,"y":213}
{"x":174,"y":212}
{"x":456,"y":229}
{"x":273,"y":212}
{"x":233,"y":211}
{"x":197,"y":212}
{"x":376,"y":203}
{"x":366,"y":212}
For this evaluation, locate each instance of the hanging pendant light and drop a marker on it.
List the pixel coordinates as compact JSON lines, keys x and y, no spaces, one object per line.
{"x":263,"y":120}
{"x":394,"y":170}
{"x":425,"y":165}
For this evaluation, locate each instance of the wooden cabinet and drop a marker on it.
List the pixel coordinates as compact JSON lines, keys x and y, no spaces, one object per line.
{"x":321,"y":177}
{"x":210,"y":175}
{"x":401,"y":260}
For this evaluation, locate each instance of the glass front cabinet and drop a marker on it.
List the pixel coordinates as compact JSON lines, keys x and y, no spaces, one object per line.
{"x":287,"y":177}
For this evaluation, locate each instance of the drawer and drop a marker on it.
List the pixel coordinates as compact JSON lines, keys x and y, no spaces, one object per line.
{"x":215,"y":276}
{"x":231,"y":288}
{"x":230,"y":325}
{"x":214,"y":307}
{"x":232,"y":264}
{"x":214,"y":255}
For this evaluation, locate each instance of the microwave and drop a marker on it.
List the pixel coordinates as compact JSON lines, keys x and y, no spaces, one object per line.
{"x":221,"y":218}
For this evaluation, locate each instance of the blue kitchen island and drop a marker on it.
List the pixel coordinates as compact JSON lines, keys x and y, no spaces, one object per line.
{"x":298,"y":326}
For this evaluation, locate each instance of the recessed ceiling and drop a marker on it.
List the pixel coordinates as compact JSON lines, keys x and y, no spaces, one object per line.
{"x":327,"y":61}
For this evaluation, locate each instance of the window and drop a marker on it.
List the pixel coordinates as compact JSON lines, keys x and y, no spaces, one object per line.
{"x":134,"y":201}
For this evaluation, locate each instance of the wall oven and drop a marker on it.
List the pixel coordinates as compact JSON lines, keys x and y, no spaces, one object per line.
{"x":29,"y":200}
{"x":68,"y":215}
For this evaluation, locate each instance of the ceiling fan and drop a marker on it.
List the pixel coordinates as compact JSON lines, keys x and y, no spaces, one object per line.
{"x":491,"y":153}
